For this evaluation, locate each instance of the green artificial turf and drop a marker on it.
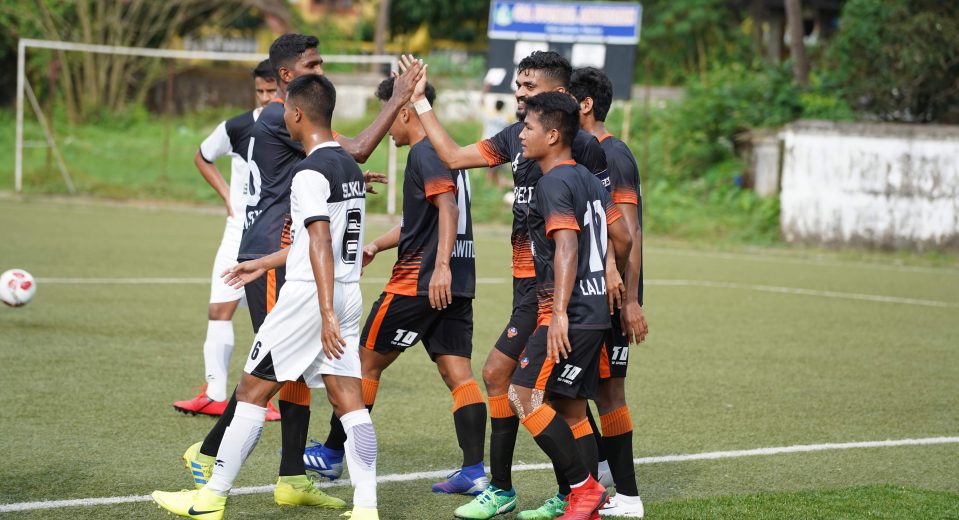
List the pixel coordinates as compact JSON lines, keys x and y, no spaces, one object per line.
{"x":90,"y":371}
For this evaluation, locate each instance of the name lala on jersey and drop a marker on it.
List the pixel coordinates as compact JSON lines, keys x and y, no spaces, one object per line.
{"x":595,"y":285}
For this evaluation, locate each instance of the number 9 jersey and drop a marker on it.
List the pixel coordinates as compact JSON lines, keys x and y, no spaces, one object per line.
{"x":327,"y":185}
{"x":570,"y":197}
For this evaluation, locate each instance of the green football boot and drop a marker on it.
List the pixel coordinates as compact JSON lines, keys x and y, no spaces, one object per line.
{"x":491,"y":502}
{"x":554,"y":507}
{"x":299,"y":490}
{"x":199,"y":465}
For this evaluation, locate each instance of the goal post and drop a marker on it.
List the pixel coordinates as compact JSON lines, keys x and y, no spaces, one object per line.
{"x":22,"y":86}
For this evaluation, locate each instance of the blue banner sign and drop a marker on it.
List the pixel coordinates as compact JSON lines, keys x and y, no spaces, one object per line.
{"x":599,"y":22}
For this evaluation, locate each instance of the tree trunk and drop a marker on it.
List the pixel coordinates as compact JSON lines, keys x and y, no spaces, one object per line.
{"x":797,"y":48}
{"x":382,"y":23}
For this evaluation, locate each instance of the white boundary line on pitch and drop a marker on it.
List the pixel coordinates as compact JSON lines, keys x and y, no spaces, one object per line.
{"x":405,"y":477}
{"x":783,"y":258}
{"x":489,"y":281}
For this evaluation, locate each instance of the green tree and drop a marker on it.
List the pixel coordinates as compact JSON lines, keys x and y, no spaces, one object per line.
{"x":89,"y":82}
{"x":463,"y":20}
{"x":684,"y":38}
{"x":899,"y":59}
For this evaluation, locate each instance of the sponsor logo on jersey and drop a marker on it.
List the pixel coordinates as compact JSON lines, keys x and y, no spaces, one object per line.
{"x":404,"y":338}
{"x":463,"y":249}
{"x":353,"y":189}
{"x":511,"y":333}
{"x":569,"y":374}
{"x":522,"y":194}
{"x":524,"y":362}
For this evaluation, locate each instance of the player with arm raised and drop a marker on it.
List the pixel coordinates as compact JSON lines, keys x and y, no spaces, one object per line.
{"x":571,"y":217}
{"x":272,"y":155}
{"x":592,"y":88}
{"x":231,"y":137}
{"x":537,"y":73}
{"x":299,"y":340}
{"x":428,"y":298}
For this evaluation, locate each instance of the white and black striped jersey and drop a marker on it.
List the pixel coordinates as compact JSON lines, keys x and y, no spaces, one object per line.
{"x":328,"y":185}
{"x":232,"y":137}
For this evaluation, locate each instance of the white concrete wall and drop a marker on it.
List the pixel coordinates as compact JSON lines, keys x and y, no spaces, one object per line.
{"x":882,"y":185}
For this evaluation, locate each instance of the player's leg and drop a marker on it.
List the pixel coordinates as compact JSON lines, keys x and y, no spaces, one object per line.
{"x":345,"y":392}
{"x":497,"y":372}
{"x":559,"y":426}
{"x":388,"y":315}
{"x":218,"y":345}
{"x":617,"y":438}
{"x":346,"y":397}
{"x":240,"y":438}
{"x":449,"y":343}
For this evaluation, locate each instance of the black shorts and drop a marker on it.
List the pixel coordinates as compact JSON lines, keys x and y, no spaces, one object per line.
{"x":615,"y":357}
{"x":522,"y":322}
{"x":573,"y":377}
{"x":397,"y":322}
{"x":262,"y":293}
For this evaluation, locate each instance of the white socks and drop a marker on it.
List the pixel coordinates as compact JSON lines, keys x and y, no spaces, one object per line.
{"x":216,"y":357}
{"x":239,"y":439}
{"x":360,"y":456}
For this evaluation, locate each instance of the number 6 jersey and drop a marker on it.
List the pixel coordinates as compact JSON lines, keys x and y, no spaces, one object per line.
{"x":570,"y":197}
{"x":327,"y":185}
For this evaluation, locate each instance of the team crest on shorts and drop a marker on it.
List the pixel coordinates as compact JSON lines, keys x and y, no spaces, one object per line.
{"x":524,"y":362}
{"x":511,"y":332}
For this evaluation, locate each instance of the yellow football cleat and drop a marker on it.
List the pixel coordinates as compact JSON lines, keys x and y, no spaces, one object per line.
{"x":192,"y":503}
{"x":199,"y":465}
{"x":299,"y":490}
{"x":362,"y":513}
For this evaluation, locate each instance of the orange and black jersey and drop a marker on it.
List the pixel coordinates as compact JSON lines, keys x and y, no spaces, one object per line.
{"x":506,"y":147}
{"x":426,"y":177}
{"x":570,"y":197}
{"x":272,"y":156}
{"x":623,"y":173}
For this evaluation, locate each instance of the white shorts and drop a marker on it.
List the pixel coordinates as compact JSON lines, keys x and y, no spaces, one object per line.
{"x":288,"y":345}
{"x":225,"y":258}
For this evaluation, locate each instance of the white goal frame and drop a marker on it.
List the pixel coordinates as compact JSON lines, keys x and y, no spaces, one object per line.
{"x":23,"y":87}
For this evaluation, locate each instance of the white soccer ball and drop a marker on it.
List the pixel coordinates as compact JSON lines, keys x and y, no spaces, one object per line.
{"x":17,"y":287}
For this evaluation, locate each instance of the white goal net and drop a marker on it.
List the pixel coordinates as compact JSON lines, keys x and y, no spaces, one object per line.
{"x":40,"y":133}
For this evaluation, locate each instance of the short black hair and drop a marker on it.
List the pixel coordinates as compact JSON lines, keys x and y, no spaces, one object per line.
{"x":288,"y":48}
{"x":315,"y":96}
{"x":500,"y":104}
{"x":384,"y":91}
{"x":553,"y":65}
{"x":556,"y":110}
{"x":590,"y":82}
{"x":264,"y":70}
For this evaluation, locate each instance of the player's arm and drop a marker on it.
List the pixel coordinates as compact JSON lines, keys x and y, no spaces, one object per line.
{"x":321,"y":259}
{"x":454,"y":156}
{"x":564,"y":276}
{"x":387,"y":240}
{"x":615,"y":287}
{"x":245,"y":272}
{"x":632,"y":317}
{"x":216,"y":145}
{"x":362,"y":146}
{"x":441,"y":282}
{"x":215,"y":179}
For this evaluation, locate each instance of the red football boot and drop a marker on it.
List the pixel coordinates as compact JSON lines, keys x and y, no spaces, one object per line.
{"x":272,"y":414}
{"x":584,"y":502}
{"x":201,"y":404}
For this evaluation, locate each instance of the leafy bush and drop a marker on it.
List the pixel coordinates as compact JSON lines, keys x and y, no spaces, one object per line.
{"x":899,"y":59}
